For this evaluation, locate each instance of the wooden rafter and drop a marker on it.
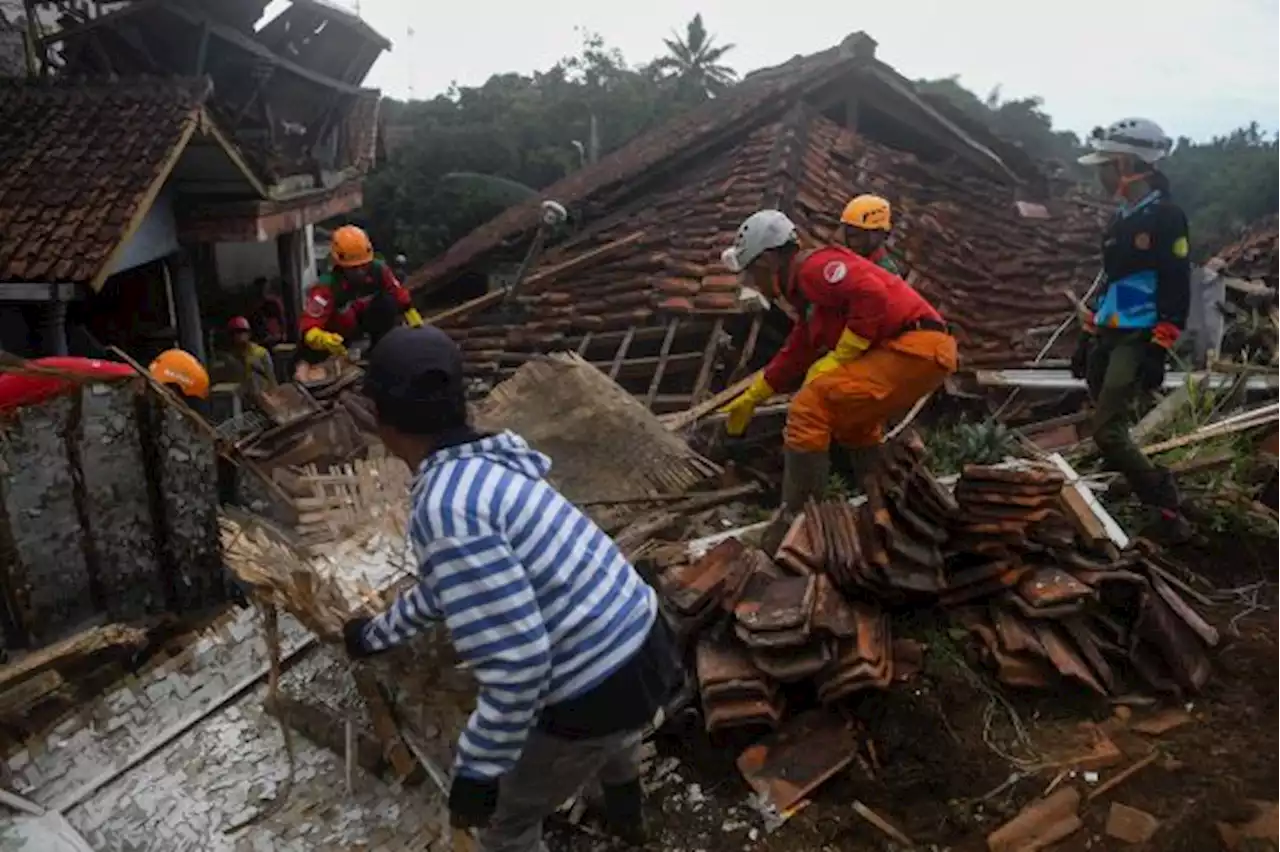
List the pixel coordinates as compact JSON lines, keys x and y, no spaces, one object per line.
{"x":661,"y":367}
{"x":703,"y":382}
{"x":621,"y":354}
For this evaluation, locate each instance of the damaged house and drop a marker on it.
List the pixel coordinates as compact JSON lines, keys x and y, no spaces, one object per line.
{"x":165,"y":155}
{"x":637,"y":287}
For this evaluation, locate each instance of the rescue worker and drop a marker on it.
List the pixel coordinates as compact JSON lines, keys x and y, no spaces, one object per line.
{"x":864,"y":228}
{"x":360,"y":294}
{"x":247,"y":364}
{"x":1141,"y":309}
{"x":572,"y":655}
{"x":179,"y":371}
{"x":865,"y":346}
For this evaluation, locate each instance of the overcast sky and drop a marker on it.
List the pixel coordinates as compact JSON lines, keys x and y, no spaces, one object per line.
{"x":1195,"y":66}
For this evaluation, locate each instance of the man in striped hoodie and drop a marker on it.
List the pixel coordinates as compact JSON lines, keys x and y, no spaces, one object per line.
{"x":565,"y":639}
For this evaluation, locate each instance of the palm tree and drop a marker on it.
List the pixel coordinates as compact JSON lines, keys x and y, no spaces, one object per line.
{"x":695,"y":61}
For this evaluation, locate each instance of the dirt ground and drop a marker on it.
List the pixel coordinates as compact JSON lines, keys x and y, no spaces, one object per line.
{"x":938,"y":771}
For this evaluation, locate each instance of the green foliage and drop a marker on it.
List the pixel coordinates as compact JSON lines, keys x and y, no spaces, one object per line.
{"x":1022,"y":121}
{"x":475,"y":151}
{"x":1225,"y":184}
{"x":950,"y":448}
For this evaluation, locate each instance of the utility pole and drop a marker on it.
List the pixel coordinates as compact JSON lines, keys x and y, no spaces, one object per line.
{"x":408,"y":37}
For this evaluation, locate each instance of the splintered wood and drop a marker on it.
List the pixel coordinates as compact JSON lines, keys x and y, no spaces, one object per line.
{"x":343,"y":497}
{"x":321,"y":591}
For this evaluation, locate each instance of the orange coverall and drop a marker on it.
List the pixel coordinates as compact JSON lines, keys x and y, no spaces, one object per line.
{"x":909,"y":351}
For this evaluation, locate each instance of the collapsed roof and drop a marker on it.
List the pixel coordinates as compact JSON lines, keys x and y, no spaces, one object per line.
{"x":653,"y":217}
{"x":290,"y":92}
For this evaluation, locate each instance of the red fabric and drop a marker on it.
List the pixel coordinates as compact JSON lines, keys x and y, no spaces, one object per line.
{"x":354,"y":287}
{"x":838,"y":289}
{"x":17,"y":390}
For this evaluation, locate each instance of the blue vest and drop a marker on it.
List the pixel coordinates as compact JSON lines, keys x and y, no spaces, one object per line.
{"x":1129,"y":253}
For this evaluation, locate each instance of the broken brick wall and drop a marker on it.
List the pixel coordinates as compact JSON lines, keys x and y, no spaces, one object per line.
{"x":110,"y":505}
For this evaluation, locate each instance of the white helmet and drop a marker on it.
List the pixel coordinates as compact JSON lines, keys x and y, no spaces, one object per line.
{"x":763,"y":230}
{"x":1137,"y":137}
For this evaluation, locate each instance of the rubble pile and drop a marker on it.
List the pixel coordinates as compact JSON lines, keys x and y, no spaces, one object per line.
{"x":1249,"y":268}
{"x":1014,"y":555}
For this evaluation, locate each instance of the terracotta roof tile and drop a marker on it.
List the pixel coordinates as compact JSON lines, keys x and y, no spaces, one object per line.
{"x":76,"y":161}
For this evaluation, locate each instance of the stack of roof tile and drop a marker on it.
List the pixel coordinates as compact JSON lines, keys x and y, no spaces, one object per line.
{"x":762,"y":627}
{"x":1008,"y":556}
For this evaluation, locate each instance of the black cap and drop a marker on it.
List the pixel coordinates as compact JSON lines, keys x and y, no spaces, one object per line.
{"x":414,"y":365}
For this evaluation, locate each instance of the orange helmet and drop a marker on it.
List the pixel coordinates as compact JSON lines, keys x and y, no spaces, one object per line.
{"x":176,"y":367}
{"x":350,"y":246}
{"x":238,"y":324}
{"x":868,"y":212}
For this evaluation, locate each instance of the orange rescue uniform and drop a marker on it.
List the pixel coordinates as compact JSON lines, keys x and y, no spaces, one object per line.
{"x":907,"y":354}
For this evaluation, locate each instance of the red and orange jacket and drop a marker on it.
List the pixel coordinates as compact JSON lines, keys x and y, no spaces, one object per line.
{"x":835,"y":289}
{"x":336,"y":301}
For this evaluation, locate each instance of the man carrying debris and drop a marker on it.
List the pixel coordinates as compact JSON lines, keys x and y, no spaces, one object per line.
{"x":565,"y":639}
{"x":864,"y":228}
{"x":865,"y":346}
{"x":360,"y":295}
{"x":1142,"y":307}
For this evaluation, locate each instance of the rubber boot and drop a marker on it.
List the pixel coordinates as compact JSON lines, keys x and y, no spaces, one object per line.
{"x":853,"y":464}
{"x":1159,"y":490}
{"x":804,"y":477}
{"x":624,"y":812}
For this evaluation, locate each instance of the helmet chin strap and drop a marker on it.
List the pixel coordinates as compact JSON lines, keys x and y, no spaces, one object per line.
{"x":1128,"y":177}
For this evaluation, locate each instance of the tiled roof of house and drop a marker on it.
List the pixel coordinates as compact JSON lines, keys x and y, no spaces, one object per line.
{"x":961,"y":236}
{"x":80,"y":163}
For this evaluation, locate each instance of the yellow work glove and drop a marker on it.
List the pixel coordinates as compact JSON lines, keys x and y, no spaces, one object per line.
{"x":413,"y":318}
{"x":744,"y":405}
{"x":325,"y":341}
{"x":848,"y":349}
{"x":825,"y":364}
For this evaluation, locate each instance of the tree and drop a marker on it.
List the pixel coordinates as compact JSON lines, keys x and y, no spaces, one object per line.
{"x":476,"y":150}
{"x":694,"y":61}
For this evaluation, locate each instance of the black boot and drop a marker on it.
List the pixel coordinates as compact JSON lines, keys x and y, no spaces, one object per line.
{"x":624,"y":812}
{"x":1159,"y":490}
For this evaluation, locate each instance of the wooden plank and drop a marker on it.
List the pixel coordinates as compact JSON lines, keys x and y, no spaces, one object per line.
{"x":703,"y":383}
{"x":676,"y":422}
{"x":73,"y":649}
{"x":584,"y":345}
{"x":661,"y":368}
{"x":748,"y":348}
{"x":406,"y":767}
{"x":586,"y":259}
{"x":621,"y":354}
{"x":19,"y":699}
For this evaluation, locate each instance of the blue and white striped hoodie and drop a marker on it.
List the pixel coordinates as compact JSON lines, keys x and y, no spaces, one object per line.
{"x":538,"y":600}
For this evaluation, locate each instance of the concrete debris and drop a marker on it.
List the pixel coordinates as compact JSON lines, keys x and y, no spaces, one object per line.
{"x":89,"y":539}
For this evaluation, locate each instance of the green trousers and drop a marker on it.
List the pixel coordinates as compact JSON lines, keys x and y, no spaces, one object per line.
{"x":1117,"y":397}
